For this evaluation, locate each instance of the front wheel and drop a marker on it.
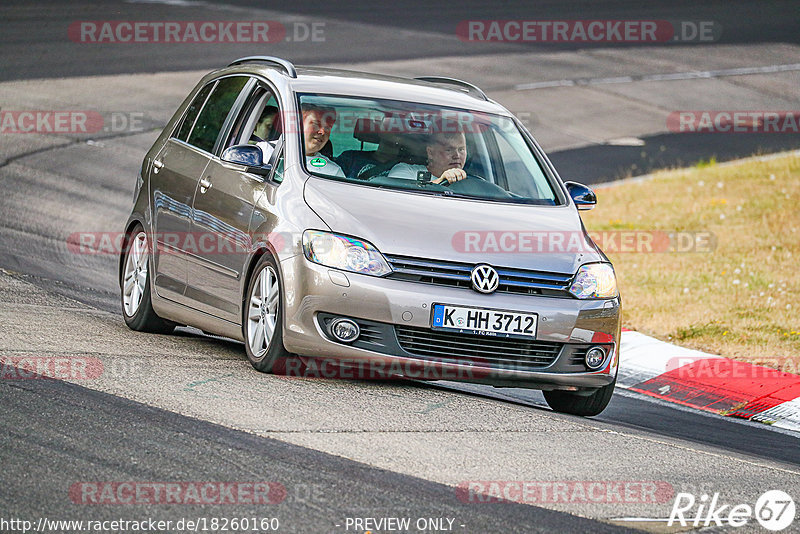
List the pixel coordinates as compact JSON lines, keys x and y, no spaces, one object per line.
{"x":262,"y":323}
{"x":137,"y":307}
{"x":575,"y":404}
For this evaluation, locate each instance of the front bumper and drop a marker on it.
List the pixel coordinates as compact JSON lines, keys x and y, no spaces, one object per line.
{"x":313,"y":294}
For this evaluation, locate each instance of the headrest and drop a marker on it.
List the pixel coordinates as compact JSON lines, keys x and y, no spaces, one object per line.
{"x":367,"y":130}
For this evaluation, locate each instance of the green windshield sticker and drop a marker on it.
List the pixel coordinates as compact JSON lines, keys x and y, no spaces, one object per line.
{"x":318,"y":162}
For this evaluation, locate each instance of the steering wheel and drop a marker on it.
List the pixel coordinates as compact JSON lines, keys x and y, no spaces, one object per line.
{"x":479,"y":186}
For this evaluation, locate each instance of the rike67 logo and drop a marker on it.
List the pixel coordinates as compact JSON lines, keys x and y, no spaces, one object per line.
{"x":774,"y":510}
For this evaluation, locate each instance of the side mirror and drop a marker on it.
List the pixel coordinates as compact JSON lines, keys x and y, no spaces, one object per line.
{"x":250,"y":156}
{"x":583,"y":196}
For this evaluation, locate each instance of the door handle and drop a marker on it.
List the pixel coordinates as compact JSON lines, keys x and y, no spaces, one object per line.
{"x":205,"y":185}
{"x":157,"y":165}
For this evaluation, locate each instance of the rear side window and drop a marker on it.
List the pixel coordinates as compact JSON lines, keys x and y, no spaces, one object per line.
{"x":206,"y":128}
{"x":191,"y":113}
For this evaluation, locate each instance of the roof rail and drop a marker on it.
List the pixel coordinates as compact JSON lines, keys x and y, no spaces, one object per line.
{"x":287,"y":65}
{"x":473,"y":89}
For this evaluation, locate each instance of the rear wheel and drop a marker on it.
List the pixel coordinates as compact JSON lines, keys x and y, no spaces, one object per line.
{"x":262,"y":323}
{"x":137,"y":308}
{"x":576,"y":404}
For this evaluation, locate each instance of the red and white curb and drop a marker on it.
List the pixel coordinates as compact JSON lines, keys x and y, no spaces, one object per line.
{"x":708,"y":382}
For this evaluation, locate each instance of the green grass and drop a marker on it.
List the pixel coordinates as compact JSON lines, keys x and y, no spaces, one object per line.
{"x":740,"y":300}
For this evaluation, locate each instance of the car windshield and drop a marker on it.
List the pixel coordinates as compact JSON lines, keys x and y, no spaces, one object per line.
{"x":413,"y":147}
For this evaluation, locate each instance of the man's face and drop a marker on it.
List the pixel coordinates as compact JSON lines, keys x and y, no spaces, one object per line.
{"x":447,"y":152}
{"x":317,"y":126}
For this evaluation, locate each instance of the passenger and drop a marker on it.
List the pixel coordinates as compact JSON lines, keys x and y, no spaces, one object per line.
{"x":318,"y":122}
{"x":447,"y":154}
{"x":265,"y":124}
{"x":264,"y":131}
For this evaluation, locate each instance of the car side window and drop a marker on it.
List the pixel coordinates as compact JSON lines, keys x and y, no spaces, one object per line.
{"x":211,"y":118}
{"x":259,"y":121}
{"x":192,"y":112}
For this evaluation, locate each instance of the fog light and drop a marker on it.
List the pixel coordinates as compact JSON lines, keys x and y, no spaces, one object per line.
{"x":595,"y":357}
{"x":345,"y":330}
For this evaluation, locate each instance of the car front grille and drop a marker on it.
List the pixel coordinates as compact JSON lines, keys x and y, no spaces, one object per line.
{"x":454,"y":274}
{"x":506,"y":353}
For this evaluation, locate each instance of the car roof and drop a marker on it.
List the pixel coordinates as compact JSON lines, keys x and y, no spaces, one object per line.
{"x":363,"y":84}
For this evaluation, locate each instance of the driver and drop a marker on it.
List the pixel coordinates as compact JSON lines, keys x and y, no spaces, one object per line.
{"x":318,"y":122}
{"x":447,"y":154}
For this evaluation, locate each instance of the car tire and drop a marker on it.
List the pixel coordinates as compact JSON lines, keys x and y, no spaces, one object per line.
{"x":262,"y":316}
{"x":576,"y":404}
{"x":137,"y":306}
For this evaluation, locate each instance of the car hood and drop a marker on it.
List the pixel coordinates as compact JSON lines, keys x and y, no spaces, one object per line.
{"x":541,"y":238}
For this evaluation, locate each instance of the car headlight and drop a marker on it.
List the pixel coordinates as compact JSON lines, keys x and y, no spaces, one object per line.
{"x":594,"y":281}
{"x":345,"y":253}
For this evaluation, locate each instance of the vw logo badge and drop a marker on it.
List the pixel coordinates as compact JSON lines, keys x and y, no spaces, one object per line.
{"x":485,"y":279}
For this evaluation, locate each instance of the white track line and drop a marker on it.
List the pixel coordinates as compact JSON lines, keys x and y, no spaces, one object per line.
{"x":688,"y":75}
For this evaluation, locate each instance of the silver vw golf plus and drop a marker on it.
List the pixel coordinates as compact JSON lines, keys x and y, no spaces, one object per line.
{"x":410,"y":227}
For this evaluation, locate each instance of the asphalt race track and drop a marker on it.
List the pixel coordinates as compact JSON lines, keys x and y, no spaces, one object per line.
{"x":188,"y":408}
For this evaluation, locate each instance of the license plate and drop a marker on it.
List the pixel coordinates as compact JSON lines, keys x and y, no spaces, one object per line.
{"x":484,"y":321}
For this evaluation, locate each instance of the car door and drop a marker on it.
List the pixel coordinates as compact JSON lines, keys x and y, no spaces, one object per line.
{"x":173,"y":180}
{"x":222,"y":211}
{"x":180,"y":166}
